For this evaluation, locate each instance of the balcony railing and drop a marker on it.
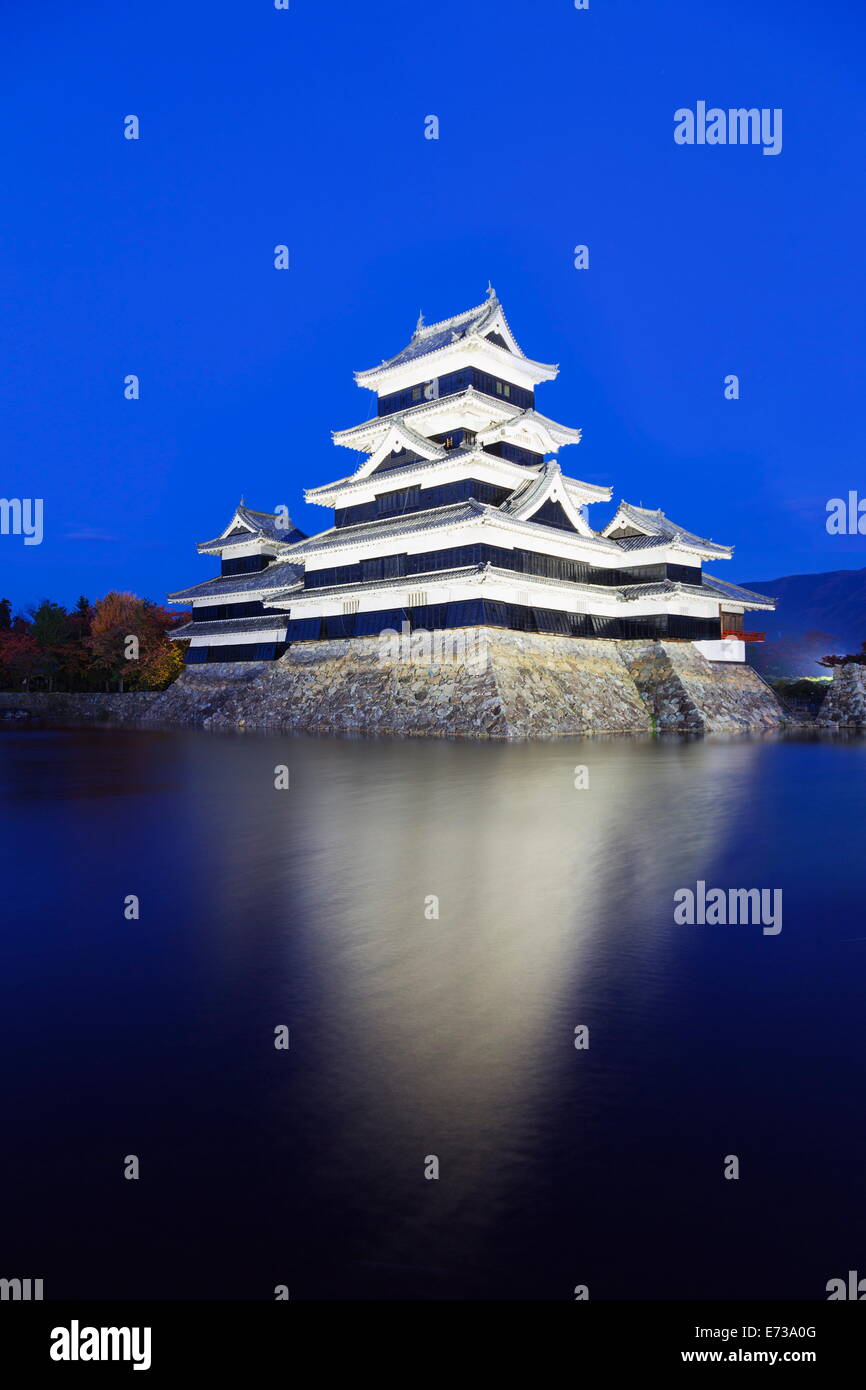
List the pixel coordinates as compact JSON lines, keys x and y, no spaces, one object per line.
{"x":745,"y":636}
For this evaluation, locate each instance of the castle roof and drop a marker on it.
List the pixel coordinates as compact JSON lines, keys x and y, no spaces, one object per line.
{"x":548,"y":485}
{"x":630,"y":519}
{"x":455,"y":514}
{"x":242,"y":626}
{"x":247,"y":525}
{"x":735,"y":594}
{"x":279,"y":575}
{"x":481,"y":321}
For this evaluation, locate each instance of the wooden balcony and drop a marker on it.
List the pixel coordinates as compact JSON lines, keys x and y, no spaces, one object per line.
{"x":744,"y":636}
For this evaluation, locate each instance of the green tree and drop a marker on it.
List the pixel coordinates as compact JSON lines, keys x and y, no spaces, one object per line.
{"x":50,"y":630}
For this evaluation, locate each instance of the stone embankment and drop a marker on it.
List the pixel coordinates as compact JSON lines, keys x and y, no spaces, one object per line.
{"x":129,"y":708}
{"x":685,"y":691}
{"x":844,"y":705}
{"x":488,"y":684}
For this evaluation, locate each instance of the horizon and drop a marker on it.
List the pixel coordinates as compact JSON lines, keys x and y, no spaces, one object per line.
{"x":155,"y":257}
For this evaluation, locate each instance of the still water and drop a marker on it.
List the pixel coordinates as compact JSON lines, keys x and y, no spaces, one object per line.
{"x":413,"y":1035}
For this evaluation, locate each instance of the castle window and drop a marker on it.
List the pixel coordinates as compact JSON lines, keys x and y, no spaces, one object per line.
{"x":402,"y":500}
{"x":393,"y":566}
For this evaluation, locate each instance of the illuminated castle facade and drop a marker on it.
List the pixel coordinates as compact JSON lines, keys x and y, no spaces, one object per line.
{"x":460,"y":515}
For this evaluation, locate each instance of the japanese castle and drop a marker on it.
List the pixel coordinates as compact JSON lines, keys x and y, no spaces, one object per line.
{"x":460,"y":515}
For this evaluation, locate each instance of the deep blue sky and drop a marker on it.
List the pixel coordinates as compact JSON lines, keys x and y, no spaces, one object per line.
{"x":260,"y":127}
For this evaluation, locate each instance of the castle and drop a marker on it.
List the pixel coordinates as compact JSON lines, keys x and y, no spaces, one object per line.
{"x":460,"y":516}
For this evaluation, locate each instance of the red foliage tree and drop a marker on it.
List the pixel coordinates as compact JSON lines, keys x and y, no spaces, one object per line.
{"x":21,"y":657}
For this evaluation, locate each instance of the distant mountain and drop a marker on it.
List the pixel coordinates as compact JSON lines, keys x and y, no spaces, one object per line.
{"x":816,"y":614}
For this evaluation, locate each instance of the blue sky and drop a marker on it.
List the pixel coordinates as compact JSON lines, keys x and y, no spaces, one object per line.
{"x":306,"y":127}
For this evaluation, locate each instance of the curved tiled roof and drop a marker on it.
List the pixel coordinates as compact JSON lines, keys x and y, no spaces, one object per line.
{"x":716,"y":588}
{"x":429,"y":338}
{"x":267,"y":623}
{"x":279,"y":575}
{"x":638,"y":542}
{"x":735,"y":593}
{"x":253,"y":526}
{"x":432,"y":337}
{"x":656,"y":523}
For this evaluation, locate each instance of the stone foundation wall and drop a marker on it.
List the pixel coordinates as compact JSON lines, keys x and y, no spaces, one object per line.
{"x":513,"y":685}
{"x":685,"y":691}
{"x":844,"y":705}
{"x":508,"y":685}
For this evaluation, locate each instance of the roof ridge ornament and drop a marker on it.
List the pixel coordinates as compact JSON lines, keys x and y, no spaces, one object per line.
{"x":419,"y":325}
{"x":491,"y":293}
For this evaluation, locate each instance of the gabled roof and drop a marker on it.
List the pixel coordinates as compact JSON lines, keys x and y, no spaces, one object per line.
{"x":547,"y":486}
{"x":524,"y":420}
{"x":478,"y":322}
{"x":491,"y":417}
{"x":247,"y":525}
{"x":489,"y":410}
{"x":460,"y":460}
{"x":654,"y":523}
{"x":398,"y":433}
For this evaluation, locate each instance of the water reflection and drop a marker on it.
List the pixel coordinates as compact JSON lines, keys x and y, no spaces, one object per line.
{"x":415,"y":1034}
{"x":449,"y":1036}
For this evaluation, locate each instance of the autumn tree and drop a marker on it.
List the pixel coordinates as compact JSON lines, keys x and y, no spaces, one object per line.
{"x":20,"y":657}
{"x":858,"y":659}
{"x":129,"y":644}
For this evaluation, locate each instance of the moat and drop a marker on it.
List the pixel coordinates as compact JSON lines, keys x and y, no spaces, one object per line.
{"x":414,"y":1034}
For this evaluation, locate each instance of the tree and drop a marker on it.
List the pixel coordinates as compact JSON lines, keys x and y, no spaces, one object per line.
{"x":162,"y":664}
{"x":129,"y":643}
{"x":116,"y":619}
{"x":858,"y":659}
{"x":50,"y":629}
{"x":81,"y":617}
{"x":20,"y":658}
{"x":122,"y":640}
{"x":76,"y":658}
